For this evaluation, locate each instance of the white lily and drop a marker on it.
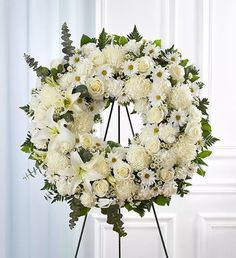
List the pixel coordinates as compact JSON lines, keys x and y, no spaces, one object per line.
{"x":69,"y":102}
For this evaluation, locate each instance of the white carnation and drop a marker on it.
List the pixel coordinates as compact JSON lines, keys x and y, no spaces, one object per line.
{"x":195,"y":115}
{"x":141,"y":105}
{"x":168,"y":133}
{"x":97,"y":57}
{"x":87,"y":199}
{"x":87,"y":49}
{"x":114,"y":56}
{"x":138,"y":157}
{"x":56,"y":161}
{"x":181,"y":97}
{"x":125,"y":189}
{"x":114,"y":87}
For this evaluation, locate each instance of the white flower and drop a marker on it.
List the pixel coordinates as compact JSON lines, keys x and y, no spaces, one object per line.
{"x":100,"y":187}
{"x":141,"y":105}
{"x":40,"y":112}
{"x":86,"y":140}
{"x":96,"y":88}
{"x":123,"y":97}
{"x":181,"y":97}
{"x":164,"y":87}
{"x":97,"y":57}
{"x":167,"y":175}
{"x":125,"y":189}
{"x":155,"y":115}
{"x":156,"y":97}
{"x":194,"y":88}
{"x":56,"y":161}
{"x":114,"y":87}
{"x":104,"y":202}
{"x":113,"y":158}
{"x":169,"y":189}
{"x":122,"y":170}
{"x":151,"y":50}
{"x":145,"y":64}
{"x":174,"y":57}
{"x":160,"y":74}
{"x":85,"y":67}
{"x":138,"y":87}
{"x":193,"y":132}
{"x":147,"y":177}
{"x":168,"y":133}
{"x":195,"y":115}
{"x":88,"y":199}
{"x":177,"y":72}
{"x":152,"y":146}
{"x":178,"y":118}
{"x":114,"y":55}
{"x":104,"y":71}
{"x":49,"y":96}
{"x":65,"y":81}
{"x":149,"y":132}
{"x":87,"y":49}
{"x":130,"y":67}
{"x":75,"y":59}
{"x":66,"y":186}
{"x":77,"y":78}
{"x":133,"y":46}
{"x":137,"y":157}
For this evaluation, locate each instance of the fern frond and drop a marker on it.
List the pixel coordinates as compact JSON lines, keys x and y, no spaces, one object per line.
{"x":135,"y":34}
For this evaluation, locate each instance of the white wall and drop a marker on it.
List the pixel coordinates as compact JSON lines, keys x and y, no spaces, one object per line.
{"x":202,"y":225}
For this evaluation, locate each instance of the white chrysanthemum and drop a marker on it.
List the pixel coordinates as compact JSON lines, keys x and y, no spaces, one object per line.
{"x":83,"y":123}
{"x":133,"y":46}
{"x":104,"y":71}
{"x":185,"y":151}
{"x":49,"y":95}
{"x":145,"y":193}
{"x":177,"y":72}
{"x":122,"y":170}
{"x":141,"y":105}
{"x":97,"y":57}
{"x":114,"y":87}
{"x":85,"y":67}
{"x":174,"y":57}
{"x":114,"y":157}
{"x":155,"y":115}
{"x":147,"y":177}
{"x":145,"y":64}
{"x":56,"y":161}
{"x":87,"y":199}
{"x":125,"y":189}
{"x":149,"y":132}
{"x":160,"y":74}
{"x":181,"y":97}
{"x":156,"y":97}
{"x":138,"y":157}
{"x":168,"y":133}
{"x":178,"y":117}
{"x":130,"y":67}
{"x":87,"y":49}
{"x":138,"y":87}
{"x":96,"y":88}
{"x":114,"y":56}
{"x":151,"y":50}
{"x":65,"y":81}
{"x":75,"y":59}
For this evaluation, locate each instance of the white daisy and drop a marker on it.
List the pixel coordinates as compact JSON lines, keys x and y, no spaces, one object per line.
{"x":173,"y":58}
{"x":77,"y":78}
{"x":104,"y":71}
{"x":114,"y":158}
{"x":156,"y":97}
{"x":75,"y":59}
{"x":160,"y":74}
{"x":178,"y":118}
{"x":149,"y":132}
{"x":194,"y":88}
{"x":123,"y":97}
{"x":130,"y":68}
{"x":151,"y":50}
{"x":147,"y":177}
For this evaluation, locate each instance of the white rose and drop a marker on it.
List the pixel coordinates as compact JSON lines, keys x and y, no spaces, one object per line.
{"x":86,"y":140}
{"x":193,"y":132}
{"x":100,"y":187}
{"x":96,"y":88}
{"x":97,"y":57}
{"x":144,"y":64}
{"x":137,"y":157}
{"x":155,"y":115}
{"x":122,"y":170}
{"x":87,"y":199}
{"x":167,"y":175}
{"x":152,"y":146}
{"x":177,"y":72}
{"x":181,"y":97}
{"x":138,"y":87}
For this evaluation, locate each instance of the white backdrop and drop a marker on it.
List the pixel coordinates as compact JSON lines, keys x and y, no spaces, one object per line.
{"x":202,"y":225}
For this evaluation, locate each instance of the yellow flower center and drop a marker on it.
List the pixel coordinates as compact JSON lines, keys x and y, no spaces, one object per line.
{"x":77,"y":78}
{"x":113,"y":160}
{"x":79,"y":100}
{"x":67,"y":102}
{"x":104,"y":72}
{"x":146,"y":176}
{"x":158,"y":97}
{"x":178,"y":117}
{"x":159,"y":74}
{"x":156,"y":130}
{"x":131,"y":67}
{"x":76,"y":59}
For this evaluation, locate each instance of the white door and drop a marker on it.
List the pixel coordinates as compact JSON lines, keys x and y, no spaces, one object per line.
{"x":201,"y":225}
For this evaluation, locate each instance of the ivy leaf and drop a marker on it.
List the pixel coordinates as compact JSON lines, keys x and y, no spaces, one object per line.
{"x":31,"y":62}
{"x":135,"y":34}
{"x":86,"y":39}
{"x":78,"y":210}
{"x":114,"y":218}
{"x":162,"y":200}
{"x":83,"y":91}
{"x":68,"y":116}
{"x":85,"y":155}
{"x":157,"y":42}
{"x":68,"y":48}
{"x":103,"y":39}
{"x":204,"y":154}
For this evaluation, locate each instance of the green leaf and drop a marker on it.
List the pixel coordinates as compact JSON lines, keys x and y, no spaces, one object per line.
{"x":120,"y":40}
{"x":103,"y":39}
{"x":68,"y":48}
{"x":210,"y":140}
{"x":27,"y":145}
{"x":162,"y":200}
{"x":83,"y":91}
{"x":199,"y":161}
{"x":85,"y":155}
{"x":86,"y":39}
{"x":184,"y":62}
{"x":42,"y":72}
{"x":113,"y":144}
{"x":135,"y":34}
{"x":31,"y":62}
{"x":27,"y":110}
{"x":68,"y":116}
{"x":204,"y":154}
{"x":201,"y":172}
{"x":78,"y":210}
{"x":203,"y":106}
{"x":157,"y":42}
{"x":114,"y":218}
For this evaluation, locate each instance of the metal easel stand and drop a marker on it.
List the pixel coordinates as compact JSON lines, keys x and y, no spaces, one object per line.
{"x":153,"y":208}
